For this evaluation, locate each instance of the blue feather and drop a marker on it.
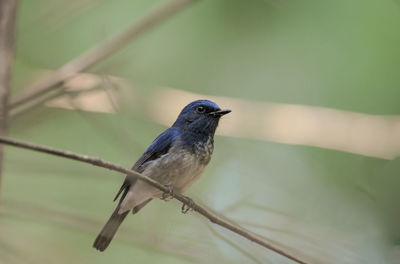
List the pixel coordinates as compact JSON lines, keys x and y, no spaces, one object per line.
{"x":159,"y":147}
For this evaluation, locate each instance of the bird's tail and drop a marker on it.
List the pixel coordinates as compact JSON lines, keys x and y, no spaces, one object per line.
{"x":110,"y":228}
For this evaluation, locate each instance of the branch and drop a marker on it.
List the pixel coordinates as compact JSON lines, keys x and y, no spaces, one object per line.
{"x":101,"y":51}
{"x":229,"y":242}
{"x":8,"y":18}
{"x":69,"y":219}
{"x":185,"y":200}
{"x":29,"y":106}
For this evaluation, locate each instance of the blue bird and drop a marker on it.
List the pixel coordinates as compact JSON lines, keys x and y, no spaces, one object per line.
{"x":176,"y":158}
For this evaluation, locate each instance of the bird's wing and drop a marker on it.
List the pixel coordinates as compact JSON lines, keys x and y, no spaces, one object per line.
{"x":159,"y":147}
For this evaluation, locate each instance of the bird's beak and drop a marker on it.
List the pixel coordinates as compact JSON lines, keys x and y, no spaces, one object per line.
{"x":220,"y":113}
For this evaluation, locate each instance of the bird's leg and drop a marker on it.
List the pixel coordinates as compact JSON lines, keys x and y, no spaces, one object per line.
{"x":186,"y":207}
{"x":168,"y":194}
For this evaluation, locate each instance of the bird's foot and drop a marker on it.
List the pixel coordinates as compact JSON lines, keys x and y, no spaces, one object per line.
{"x":168,"y":195}
{"x":189,"y":206}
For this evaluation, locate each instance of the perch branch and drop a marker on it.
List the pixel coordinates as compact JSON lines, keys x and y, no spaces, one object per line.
{"x":184,"y":199}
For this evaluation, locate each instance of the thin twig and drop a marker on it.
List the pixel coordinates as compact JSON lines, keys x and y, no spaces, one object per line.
{"x":101,"y":51}
{"x":29,"y":106}
{"x":229,"y":242}
{"x":69,"y":219}
{"x":185,"y":200}
{"x":8,"y":20}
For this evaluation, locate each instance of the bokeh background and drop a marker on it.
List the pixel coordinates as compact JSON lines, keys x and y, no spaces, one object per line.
{"x":308,"y":158}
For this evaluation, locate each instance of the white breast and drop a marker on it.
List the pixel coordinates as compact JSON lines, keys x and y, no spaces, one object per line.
{"x":179,"y":168}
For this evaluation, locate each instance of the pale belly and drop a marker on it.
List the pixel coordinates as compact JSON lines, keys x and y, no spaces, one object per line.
{"x":179,"y":170}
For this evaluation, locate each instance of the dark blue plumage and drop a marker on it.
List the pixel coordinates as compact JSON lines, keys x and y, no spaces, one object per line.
{"x":176,"y":158}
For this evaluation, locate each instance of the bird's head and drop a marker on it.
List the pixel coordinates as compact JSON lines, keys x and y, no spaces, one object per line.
{"x":201,"y":116}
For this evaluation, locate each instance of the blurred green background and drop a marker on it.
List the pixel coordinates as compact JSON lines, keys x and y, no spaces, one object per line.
{"x":324,"y":206}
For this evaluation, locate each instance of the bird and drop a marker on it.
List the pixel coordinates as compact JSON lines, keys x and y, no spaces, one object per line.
{"x":176,"y":159}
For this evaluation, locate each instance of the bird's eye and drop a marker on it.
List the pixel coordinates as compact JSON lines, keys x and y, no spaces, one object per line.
{"x":200,"y":109}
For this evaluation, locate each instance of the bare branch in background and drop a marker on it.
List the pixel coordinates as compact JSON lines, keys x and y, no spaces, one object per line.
{"x":323,"y":127}
{"x":8,"y":20}
{"x":100,"y":52}
{"x":75,"y":221}
{"x":232,"y":244}
{"x":28,"y":106}
{"x":184,"y":199}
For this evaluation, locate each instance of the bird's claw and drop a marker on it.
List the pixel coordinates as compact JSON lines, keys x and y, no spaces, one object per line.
{"x":168,"y":194}
{"x":186,"y":207}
